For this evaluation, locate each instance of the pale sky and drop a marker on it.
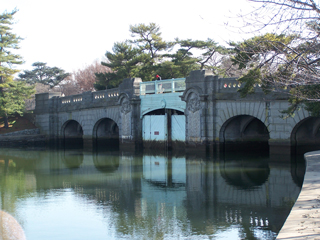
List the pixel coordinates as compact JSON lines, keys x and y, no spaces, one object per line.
{"x":71,"y":34}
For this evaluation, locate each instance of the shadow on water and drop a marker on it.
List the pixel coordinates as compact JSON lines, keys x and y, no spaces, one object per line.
{"x":106,"y":145}
{"x":245,"y":147}
{"x":71,"y":143}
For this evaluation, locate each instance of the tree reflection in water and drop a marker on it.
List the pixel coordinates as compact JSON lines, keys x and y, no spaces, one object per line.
{"x":150,"y":195}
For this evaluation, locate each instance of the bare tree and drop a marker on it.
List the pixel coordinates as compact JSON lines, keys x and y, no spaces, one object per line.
{"x":226,"y":69}
{"x":68,"y":87}
{"x":280,"y":16}
{"x":286,"y":58}
{"x":86,"y":78}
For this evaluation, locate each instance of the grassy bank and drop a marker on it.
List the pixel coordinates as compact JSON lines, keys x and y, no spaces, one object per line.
{"x":16,"y":123}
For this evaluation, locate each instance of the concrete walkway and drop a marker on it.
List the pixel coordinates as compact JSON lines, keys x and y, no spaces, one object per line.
{"x":304,"y":219}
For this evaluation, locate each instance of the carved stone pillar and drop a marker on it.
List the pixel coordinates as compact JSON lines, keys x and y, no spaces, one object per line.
{"x":125,"y":116}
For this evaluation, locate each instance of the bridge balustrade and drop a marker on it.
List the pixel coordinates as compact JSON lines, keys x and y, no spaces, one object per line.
{"x":163,"y":86}
{"x":109,"y":93}
{"x":155,"y":87}
{"x":232,"y":85}
{"x":179,"y":85}
{"x":71,"y":99}
{"x":96,"y":96}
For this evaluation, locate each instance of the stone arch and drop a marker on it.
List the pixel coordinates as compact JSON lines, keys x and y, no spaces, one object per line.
{"x":106,"y":133}
{"x":305,"y":135}
{"x":229,"y":109}
{"x":72,"y":134}
{"x":242,"y":130}
{"x":110,"y":113}
{"x":161,"y":111}
{"x":71,"y":128}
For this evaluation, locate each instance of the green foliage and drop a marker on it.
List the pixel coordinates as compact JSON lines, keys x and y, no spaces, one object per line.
{"x":123,"y":61}
{"x":280,"y":63}
{"x":12,"y":100}
{"x":8,"y":42}
{"x":250,"y":79}
{"x":283,"y":63}
{"x":298,"y":98}
{"x":148,"y":39}
{"x":148,"y":55}
{"x":12,"y":93}
{"x":260,"y":50}
{"x":207,"y":48}
{"x":41,"y":73}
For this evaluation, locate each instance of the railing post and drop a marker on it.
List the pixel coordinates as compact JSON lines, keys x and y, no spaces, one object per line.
{"x":172,"y":86}
{"x":156,"y":87}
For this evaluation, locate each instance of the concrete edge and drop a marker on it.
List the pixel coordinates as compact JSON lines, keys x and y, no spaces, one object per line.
{"x":303,"y":221}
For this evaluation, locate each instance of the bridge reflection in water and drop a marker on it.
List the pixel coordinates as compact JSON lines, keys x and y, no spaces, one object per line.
{"x":147,"y":196}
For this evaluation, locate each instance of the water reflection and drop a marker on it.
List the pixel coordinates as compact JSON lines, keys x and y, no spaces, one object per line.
{"x":147,"y":196}
{"x":72,"y":159}
{"x":245,"y":173}
{"x":106,"y":163}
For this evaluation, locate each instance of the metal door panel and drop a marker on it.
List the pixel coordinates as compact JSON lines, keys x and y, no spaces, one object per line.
{"x":178,"y":128}
{"x":146,"y":127}
{"x":155,"y":128}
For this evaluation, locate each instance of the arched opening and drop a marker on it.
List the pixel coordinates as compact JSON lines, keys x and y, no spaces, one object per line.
{"x":244,"y":132}
{"x":106,"y":134}
{"x":73,"y":134}
{"x":163,"y":128}
{"x":306,"y":135}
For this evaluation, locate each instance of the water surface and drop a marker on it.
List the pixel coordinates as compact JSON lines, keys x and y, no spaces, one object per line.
{"x":72,"y":194}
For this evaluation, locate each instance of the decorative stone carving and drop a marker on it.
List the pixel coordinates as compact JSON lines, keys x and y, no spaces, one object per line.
{"x":126,"y":125}
{"x":193,"y":103}
{"x":194,"y":126}
{"x":125,"y":106}
{"x":125,"y":111}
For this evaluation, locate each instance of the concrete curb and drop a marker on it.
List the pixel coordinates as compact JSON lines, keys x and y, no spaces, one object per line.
{"x":303,"y":221}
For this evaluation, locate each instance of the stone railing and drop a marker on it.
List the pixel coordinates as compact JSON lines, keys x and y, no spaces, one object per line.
{"x":233,"y":85}
{"x":94,"y":96}
{"x":110,"y":93}
{"x":71,"y":99}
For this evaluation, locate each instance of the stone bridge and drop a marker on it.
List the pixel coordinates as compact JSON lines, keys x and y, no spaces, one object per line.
{"x":201,"y":111}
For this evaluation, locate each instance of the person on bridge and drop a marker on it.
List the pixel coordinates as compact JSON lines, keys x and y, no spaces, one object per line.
{"x":158,"y":77}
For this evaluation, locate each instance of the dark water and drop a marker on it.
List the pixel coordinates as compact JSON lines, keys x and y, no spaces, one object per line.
{"x":71,"y":194}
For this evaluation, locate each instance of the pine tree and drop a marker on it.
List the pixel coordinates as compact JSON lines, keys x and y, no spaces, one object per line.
{"x":148,"y":55}
{"x":12,"y":94}
{"x":41,"y":73}
{"x":123,"y":62}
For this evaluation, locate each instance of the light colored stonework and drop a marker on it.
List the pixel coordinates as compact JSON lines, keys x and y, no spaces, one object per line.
{"x":304,"y":219}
